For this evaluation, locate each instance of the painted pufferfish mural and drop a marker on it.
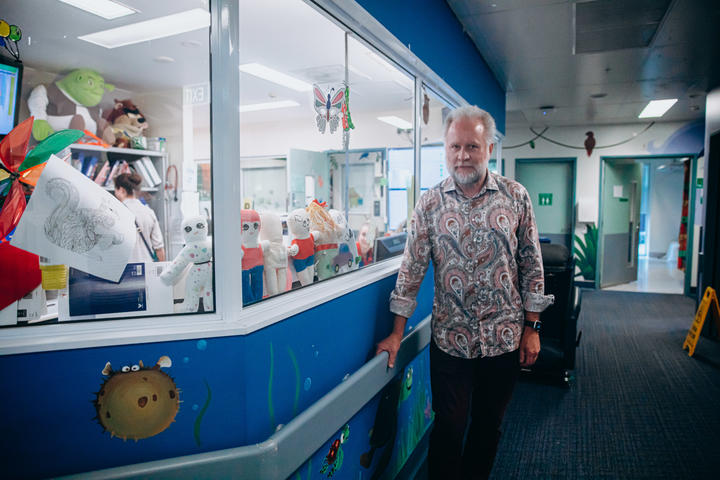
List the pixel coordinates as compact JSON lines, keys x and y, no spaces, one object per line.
{"x":137,"y":402}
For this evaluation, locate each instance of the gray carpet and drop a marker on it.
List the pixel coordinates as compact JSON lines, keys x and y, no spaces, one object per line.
{"x":638,"y":406}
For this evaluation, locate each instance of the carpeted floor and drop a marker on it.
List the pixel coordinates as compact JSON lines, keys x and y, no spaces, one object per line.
{"x":638,"y":407}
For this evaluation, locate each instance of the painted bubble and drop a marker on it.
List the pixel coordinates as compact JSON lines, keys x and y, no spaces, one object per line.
{"x":308,"y":383}
{"x":347,"y":375}
{"x":186,"y":359}
{"x":195,"y":407}
{"x":202,"y":345}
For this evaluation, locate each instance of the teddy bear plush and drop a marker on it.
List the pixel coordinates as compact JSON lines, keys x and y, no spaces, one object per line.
{"x":127,"y":122}
{"x":71,"y":102}
{"x":197,"y":253}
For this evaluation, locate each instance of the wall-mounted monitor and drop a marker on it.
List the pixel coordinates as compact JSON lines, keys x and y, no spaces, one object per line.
{"x":10,"y":83}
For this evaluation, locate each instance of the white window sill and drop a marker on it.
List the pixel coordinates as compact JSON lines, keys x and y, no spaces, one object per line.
{"x":89,"y":334}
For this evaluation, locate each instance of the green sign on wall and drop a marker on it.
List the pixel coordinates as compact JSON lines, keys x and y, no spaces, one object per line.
{"x":544,"y":199}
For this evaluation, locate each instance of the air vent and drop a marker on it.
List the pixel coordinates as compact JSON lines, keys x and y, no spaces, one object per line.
{"x":605,"y":25}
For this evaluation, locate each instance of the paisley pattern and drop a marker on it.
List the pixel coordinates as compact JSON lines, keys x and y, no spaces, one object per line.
{"x":487,"y":264}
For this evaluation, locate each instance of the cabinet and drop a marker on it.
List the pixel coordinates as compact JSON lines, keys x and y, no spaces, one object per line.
{"x":91,"y":159}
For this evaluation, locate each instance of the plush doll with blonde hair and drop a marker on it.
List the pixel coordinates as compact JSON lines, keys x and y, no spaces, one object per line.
{"x":325,"y":232}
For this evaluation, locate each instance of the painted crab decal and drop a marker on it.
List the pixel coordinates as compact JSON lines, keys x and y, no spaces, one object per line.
{"x":334,"y":459}
{"x":136,"y":401}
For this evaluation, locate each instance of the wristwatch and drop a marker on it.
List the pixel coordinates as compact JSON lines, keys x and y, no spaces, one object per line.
{"x":536,"y":325}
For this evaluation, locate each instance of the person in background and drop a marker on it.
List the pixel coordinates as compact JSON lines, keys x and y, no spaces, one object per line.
{"x":366,"y":239}
{"x":479,"y":230}
{"x":126,"y":187}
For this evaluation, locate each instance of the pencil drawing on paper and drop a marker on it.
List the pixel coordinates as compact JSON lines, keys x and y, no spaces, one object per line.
{"x":79,"y":229}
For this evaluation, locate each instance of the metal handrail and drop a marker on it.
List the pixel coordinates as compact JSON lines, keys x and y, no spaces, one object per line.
{"x":286,"y":450}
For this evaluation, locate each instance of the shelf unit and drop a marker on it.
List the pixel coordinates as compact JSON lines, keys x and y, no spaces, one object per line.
{"x":155,"y":197}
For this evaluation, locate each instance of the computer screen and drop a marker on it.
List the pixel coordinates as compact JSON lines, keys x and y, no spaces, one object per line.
{"x":386,"y":247}
{"x":10,"y":83}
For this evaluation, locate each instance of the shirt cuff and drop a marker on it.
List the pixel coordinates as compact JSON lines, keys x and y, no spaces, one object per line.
{"x":536,"y":302}
{"x":402,"y":306}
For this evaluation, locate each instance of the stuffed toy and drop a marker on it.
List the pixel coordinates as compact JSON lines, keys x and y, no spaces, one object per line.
{"x":197,"y":253}
{"x":325,"y":233}
{"x":71,"y":102}
{"x":275,"y":253}
{"x":347,"y":258}
{"x":127,"y":122}
{"x":302,"y":247}
{"x":253,"y":259}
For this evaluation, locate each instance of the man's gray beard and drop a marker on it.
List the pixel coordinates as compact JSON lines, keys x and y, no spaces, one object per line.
{"x":465,"y":179}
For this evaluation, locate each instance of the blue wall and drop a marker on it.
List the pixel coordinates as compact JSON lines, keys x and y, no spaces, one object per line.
{"x":234,"y":390}
{"x":430,"y":29}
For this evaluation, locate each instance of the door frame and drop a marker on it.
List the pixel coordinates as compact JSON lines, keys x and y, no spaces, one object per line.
{"x":691,"y":210}
{"x":573,"y":206}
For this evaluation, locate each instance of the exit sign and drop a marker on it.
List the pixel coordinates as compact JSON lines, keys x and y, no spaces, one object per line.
{"x":196,"y":94}
{"x":544,"y":199}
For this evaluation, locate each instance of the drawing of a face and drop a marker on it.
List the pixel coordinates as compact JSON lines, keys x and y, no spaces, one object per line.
{"x":194,"y":229}
{"x":299,"y":223}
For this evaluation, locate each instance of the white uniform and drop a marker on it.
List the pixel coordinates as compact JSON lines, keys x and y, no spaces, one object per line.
{"x":150,"y":226}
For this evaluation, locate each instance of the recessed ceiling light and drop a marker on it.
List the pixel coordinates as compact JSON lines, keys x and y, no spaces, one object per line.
{"x":107,"y":9}
{"x":267,"y":73}
{"x":164,"y":59}
{"x":598,"y":95}
{"x":256,"y":107}
{"x":160,"y":27}
{"x":191,"y":43}
{"x":657,"y":108}
{"x":396,"y":122}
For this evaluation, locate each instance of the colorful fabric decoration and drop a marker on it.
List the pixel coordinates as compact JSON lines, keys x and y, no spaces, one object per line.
{"x":9,"y":36}
{"x":19,"y":270}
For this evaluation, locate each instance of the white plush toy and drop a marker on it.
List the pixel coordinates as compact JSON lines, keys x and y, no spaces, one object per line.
{"x":347,"y":258}
{"x":275,"y":253}
{"x":302,"y":247}
{"x":198,"y":253}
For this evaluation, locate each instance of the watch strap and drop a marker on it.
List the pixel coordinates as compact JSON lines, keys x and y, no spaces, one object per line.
{"x":536,"y":325}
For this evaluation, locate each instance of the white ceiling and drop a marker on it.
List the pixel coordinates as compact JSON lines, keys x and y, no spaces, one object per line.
{"x":528,"y":44}
{"x":287,"y":35}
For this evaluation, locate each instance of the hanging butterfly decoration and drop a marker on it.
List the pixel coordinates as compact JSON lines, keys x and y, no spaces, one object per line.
{"x":9,"y":36}
{"x":328,"y":107}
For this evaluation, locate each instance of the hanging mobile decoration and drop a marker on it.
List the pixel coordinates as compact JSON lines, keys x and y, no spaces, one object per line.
{"x":9,"y":36}
{"x":589,"y":142}
{"x":347,"y":122}
{"x":328,"y":107}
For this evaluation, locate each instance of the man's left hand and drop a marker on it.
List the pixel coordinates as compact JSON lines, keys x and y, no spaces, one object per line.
{"x":529,"y":347}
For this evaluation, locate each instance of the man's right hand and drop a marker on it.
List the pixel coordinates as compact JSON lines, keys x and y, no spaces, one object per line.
{"x":391,"y":344}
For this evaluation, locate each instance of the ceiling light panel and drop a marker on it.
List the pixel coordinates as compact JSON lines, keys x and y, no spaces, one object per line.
{"x":267,"y":73}
{"x":160,"y":27}
{"x":657,"y":108}
{"x":396,"y":122}
{"x":256,"y":107}
{"x":106,"y":9}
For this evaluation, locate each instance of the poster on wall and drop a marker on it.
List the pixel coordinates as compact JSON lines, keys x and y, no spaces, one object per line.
{"x":73,"y":221}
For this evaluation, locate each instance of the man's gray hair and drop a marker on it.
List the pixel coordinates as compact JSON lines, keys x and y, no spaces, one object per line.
{"x":472,"y":112}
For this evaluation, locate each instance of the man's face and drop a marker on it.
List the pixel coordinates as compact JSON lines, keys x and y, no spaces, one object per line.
{"x":466,"y":151}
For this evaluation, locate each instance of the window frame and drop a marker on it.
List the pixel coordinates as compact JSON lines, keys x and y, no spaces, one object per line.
{"x":230,"y":318}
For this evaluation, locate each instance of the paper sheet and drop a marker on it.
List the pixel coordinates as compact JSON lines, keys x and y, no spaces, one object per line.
{"x":73,"y":221}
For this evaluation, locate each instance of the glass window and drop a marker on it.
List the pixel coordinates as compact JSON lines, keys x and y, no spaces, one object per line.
{"x":115,"y":214}
{"x":319,"y":113}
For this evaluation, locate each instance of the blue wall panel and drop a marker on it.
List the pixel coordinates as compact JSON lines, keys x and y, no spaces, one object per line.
{"x":233,"y":391}
{"x":433,"y":33}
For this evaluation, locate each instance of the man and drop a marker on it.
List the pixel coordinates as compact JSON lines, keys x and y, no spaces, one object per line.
{"x":479,"y":230}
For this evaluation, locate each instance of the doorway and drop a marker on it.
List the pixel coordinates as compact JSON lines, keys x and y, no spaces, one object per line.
{"x":551,"y":185}
{"x":645,"y":227}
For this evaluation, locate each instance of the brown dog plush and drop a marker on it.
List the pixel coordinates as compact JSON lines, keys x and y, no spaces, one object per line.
{"x":127,"y":122}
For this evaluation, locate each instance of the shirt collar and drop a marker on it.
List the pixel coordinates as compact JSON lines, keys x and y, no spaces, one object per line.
{"x":448,"y":185}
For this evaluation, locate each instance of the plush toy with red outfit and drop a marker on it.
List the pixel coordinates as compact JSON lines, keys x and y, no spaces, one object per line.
{"x":302,"y":247}
{"x":252,"y":260}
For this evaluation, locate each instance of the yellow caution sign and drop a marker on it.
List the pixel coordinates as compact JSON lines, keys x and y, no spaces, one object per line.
{"x":709,"y":299}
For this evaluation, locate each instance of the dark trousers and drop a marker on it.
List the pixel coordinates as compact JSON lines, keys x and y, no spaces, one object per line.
{"x":479,"y":389}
